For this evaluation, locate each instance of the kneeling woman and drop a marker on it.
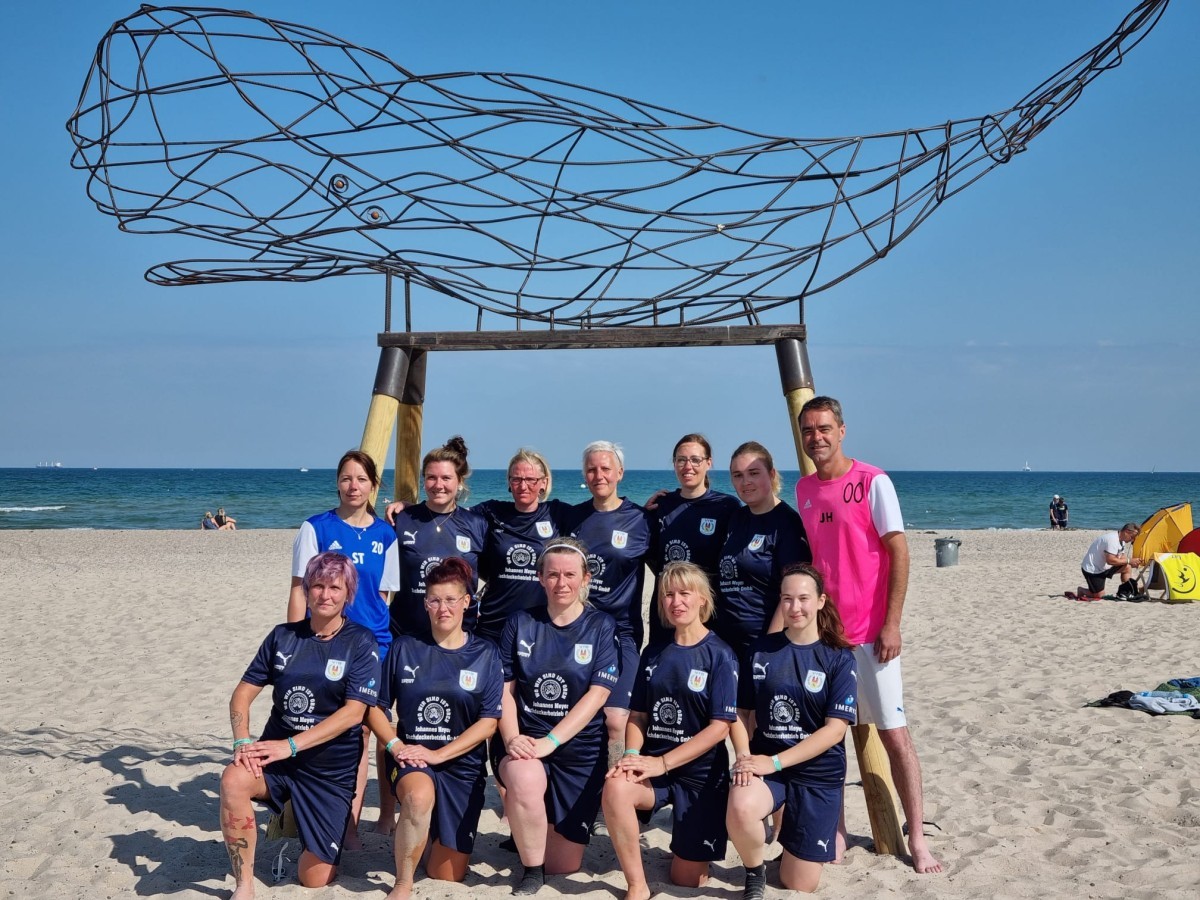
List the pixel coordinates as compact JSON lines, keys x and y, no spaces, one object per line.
{"x":797,"y":695}
{"x":560,"y":663}
{"x":323,"y":671}
{"x":446,"y":689}
{"x":684,"y":698}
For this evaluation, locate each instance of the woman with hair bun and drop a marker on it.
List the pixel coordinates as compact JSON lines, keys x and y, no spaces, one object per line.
{"x":435,"y":530}
{"x":764,"y":536}
{"x":446,"y":691}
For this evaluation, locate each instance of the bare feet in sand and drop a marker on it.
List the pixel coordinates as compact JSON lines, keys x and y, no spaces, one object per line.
{"x":353,"y":841}
{"x":385,"y":826}
{"x":243,"y":891}
{"x":400,"y":892}
{"x":923,"y":861}
{"x":839,"y":848}
{"x":640,"y":892}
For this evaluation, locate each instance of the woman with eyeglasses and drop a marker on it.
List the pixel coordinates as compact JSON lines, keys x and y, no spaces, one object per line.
{"x":435,"y":530}
{"x":690,"y":522}
{"x":517,"y":532}
{"x":446,"y":691}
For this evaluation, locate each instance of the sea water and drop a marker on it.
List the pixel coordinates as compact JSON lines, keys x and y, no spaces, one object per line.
{"x":283,"y":498}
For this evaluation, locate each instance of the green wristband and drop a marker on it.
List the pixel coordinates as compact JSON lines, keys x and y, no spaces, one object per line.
{"x":554,"y":740}
{"x":292,"y":744}
{"x":632,"y":752}
{"x":387,"y":748}
{"x":775,"y":761}
{"x":242,"y":742}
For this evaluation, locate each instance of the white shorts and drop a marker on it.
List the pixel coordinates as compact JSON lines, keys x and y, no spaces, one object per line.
{"x":880,"y":690}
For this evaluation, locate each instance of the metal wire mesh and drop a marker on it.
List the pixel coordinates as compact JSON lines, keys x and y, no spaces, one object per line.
{"x":528,"y":198}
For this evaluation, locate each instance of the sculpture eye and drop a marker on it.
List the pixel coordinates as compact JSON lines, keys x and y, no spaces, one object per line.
{"x":373,"y":214}
{"x":339,"y":183}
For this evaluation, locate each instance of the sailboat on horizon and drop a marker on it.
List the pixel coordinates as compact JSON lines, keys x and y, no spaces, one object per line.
{"x":1027,"y":469}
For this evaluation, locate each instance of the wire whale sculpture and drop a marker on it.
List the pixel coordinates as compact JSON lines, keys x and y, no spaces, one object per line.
{"x":528,"y":198}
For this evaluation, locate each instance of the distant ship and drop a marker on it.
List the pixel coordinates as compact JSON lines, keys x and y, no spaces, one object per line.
{"x":50,"y":465}
{"x":1027,"y":469}
{"x":304,"y":470}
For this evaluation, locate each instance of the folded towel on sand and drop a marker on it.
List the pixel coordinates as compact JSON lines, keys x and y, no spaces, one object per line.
{"x":1179,"y":696}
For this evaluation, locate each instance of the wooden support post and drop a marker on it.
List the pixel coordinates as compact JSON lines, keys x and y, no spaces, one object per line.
{"x":876,"y":775}
{"x":796,"y":377}
{"x":385,"y":400}
{"x":409,"y":418}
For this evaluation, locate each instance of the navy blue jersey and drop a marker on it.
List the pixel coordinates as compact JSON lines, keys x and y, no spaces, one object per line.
{"x":793,"y":689}
{"x":689,"y":531}
{"x":426,"y":538}
{"x":439,"y":693}
{"x":554,"y":666}
{"x":311,"y":680}
{"x":372,"y":550}
{"x":756,"y":550}
{"x":618,"y":541}
{"x":508,"y":563}
{"x":681,"y":690}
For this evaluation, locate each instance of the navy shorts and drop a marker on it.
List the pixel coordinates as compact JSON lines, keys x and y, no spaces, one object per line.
{"x":574,"y":782}
{"x":697,"y":804}
{"x":321,"y":806}
{"x":622,"y":691}
{"x":458,"y":800}
{"x":810,"y":820}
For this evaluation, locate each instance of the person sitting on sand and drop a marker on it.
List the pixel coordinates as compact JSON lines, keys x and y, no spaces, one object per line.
{"x":208,"y":523}
{"x":224,"y":522}
{"x":323,"y":671}
{"x":1058,"y":514}
{"x":1111,"y":554}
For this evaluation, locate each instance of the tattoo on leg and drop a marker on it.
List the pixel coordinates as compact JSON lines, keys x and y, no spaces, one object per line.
{"x":235,"y":847}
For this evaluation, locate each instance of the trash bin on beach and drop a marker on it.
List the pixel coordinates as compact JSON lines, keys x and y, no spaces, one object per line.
{"x":947,"y":551}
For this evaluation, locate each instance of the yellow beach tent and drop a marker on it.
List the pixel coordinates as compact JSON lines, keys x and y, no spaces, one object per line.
{"x":1177,"y":575}
{"x":1162,"y":532}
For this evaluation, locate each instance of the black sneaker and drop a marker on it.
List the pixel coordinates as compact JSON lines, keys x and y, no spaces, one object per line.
{"x":756,"y":883}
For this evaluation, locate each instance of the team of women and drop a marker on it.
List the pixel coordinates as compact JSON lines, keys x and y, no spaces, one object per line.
{"x":541,"y":671}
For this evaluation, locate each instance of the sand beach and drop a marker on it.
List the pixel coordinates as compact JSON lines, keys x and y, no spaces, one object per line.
{"x":123,"y":648}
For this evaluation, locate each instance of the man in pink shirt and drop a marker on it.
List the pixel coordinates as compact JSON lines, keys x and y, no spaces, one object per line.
{"x":852,"y":517}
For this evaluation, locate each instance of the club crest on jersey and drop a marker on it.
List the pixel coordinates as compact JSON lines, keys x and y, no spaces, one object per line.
{"x":545,"y":529}
{"x":620,"y":539}
{"x":335,"y":669}
{"x":708,"y":526}
{"x":758,"y":541}
{"x":468,"y":681}
{"x":814,"y":680}
{"x":697,"y":679}
{"x":583,"y":653}
{"x":463,"y":543}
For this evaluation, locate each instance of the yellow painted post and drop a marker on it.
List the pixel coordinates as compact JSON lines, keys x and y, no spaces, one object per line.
{"x":390,"y":377}
{"x":409,"y":418}
{"x":880,"y":795}
{"x":796,"y":377}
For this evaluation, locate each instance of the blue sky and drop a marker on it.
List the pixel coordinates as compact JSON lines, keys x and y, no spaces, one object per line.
{"x":1048,"y":313}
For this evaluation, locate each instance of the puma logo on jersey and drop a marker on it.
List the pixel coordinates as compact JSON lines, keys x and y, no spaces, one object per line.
{"x":528,"y":645}
{"x":650,"y":670}
{"x":711,"y":844}
{"x":410,"y":538}
{"x":412,"y":670}
{"x":824,"y":845}
{"x":284,"y":658}
{"x":761,"y":667}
